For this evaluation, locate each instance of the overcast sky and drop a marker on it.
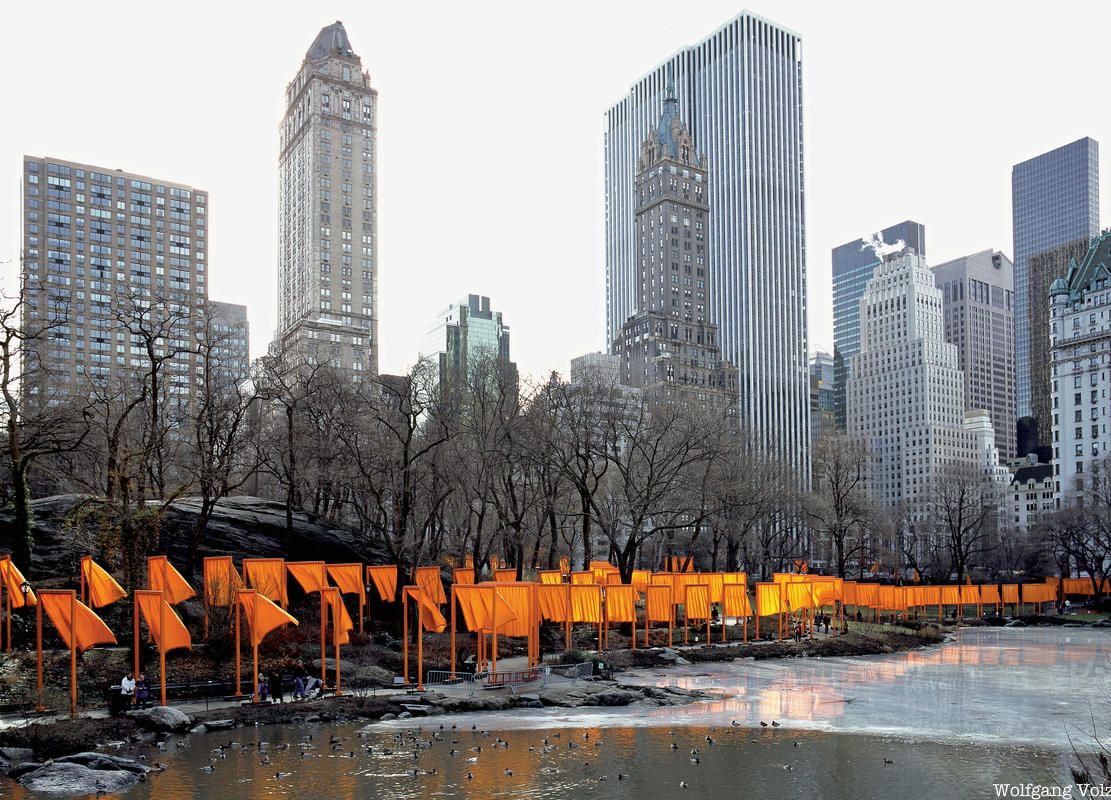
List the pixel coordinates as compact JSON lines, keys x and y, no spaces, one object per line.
{"x":491,"y":123}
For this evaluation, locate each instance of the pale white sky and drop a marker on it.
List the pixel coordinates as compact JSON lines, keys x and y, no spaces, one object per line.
{"x":491,"y":122}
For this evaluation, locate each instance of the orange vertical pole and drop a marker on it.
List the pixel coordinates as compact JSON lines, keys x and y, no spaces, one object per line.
{"x":708,"y":629}
{"x":635,"y":623}
{"x":494,"y":646}
{"x":72,"y":655}
{"x":335,"y":642}
{"x":323,"y":642}
{"x":135,"y":640}
{"x":38,"y":652}
{"x":254,"y":674}
{"x":161,"y":648}
{"x":405,"y":635}
{"x":453,"y":632}
{"x":8,"y":623}
{"x":745,"y":625}
{"x":238,"y":668}
{"x":420,"y":654}
{"x":362,"y":604}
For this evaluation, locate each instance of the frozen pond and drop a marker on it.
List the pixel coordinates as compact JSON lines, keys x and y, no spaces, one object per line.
{"x":992,"y":707}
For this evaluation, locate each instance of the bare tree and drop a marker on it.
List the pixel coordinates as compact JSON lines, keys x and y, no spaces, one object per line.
{"x":224,"y":453}
{"x":838,"y":506}
{"x":36,"y":423}
{"x":964,"y":508}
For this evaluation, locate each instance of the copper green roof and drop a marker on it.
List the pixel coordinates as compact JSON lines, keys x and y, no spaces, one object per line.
{"x":1096,"y":265}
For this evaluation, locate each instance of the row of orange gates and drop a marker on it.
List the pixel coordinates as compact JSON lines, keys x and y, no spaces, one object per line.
{"x":503,"y":606}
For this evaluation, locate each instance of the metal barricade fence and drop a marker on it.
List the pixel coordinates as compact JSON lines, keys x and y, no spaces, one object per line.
{"x":517,"y":678}
{"x":447,"y":678}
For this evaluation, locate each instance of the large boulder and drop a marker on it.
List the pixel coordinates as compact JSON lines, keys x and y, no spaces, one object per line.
{"x":77,"y":779}
{"x":239,"y":526}
{"x":162,"y":718}
{"x":84,"y":774}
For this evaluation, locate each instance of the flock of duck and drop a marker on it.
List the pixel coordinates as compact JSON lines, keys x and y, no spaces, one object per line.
{"x":460,"y":743}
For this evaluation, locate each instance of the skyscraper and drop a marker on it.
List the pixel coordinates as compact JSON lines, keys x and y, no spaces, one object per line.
{"x":978,"y":313}
{"x":822,"y":390}
{"x":1054,"y":200}
{"x":469,"y":335}
{"x":103,"y":246}
{"x":853,"y":265}
{"x":1080,"y":337}
{"x":327,"y":220}
{"x":669,"y":347}
{"x":740,"y":92}
{"x":906,"y":390}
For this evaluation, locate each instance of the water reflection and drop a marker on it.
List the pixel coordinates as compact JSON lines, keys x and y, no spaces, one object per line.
{"x":1002,"y":695}
{"x":644,"y":762}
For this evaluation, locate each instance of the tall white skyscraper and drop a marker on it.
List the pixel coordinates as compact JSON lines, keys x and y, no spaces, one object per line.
{"x":740,"y":91}
{"x":905,"y":393}
{"x":327,"y":221}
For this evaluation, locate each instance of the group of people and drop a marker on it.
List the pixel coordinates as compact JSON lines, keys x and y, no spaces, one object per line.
{"x":135,"y":692}
{"x":821,"y":624}
{"x":272,"y":687}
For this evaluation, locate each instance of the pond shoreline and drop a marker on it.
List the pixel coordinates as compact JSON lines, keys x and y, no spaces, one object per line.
{"x":41,"y":741}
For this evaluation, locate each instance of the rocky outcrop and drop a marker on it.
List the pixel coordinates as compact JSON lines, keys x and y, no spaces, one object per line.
{"x":162,"y":718}
{"x":239,"y":526}
{"x":84,"y":774}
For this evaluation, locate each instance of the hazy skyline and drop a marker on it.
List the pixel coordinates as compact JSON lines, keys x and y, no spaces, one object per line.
{"x":490,"y":131}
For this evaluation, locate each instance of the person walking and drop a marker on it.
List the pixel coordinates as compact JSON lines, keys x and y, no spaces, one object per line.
{"x":127,"y":690}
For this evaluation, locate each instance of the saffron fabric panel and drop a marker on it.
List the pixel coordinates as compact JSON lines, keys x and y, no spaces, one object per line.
{"x":263,"y":616}
{"x":463,"y":575}
{"x":586,"y":603}
{"x":384,"y":579}
{"x":267,"y":577}
{"x":696,"y":602}
{"x":102,"y":587}
{"x":1010,"y":593}
{"x":428,"y":578}
{"x":505,"y":575}
{"x":311,"y":575}
{"x":621,"y":603}
{"x":162,"y":577}
{"x":77,"y":624}
{"x":551,"y":576}
{"x":970,"y":595}
{"x":868,"y":594}
{"x":341,"y":620}
{"x":519,"y":598}
{"x":13,"y":581}
{"x":155,"y":610}
{"x":735,"y":602}
{"x":989,"y":593}
{"x":555,"y":602}
{"x":657,"y":606}
{"x":640,"y":579}
{"x":221,"y":581}
{"x":582,"y":578}
{"x":799,"y":595}
{"x":769,"y":599}
{"x":349,"y":578}
{"x":483,"y":607}
{"x":430,"y":617}
{"x":715,"y":580}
